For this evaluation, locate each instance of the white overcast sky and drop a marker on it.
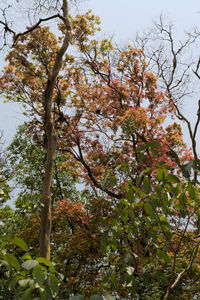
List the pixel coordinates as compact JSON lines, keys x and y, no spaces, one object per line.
{"x":121,"y":18}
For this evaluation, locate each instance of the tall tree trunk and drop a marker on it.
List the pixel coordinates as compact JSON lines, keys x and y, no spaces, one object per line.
{"x":51,"y":140}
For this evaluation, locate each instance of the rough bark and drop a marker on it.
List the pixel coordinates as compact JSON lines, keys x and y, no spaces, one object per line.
{"x":51,"y":140}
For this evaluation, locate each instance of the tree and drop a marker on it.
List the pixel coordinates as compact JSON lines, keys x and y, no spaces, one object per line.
{"x":106,"y":114}
{"x":50,"y":130}
{"x":176,"y":66}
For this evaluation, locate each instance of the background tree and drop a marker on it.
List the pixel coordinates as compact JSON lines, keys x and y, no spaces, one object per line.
{"x":25,"y":171}
{"x":176,"y":65}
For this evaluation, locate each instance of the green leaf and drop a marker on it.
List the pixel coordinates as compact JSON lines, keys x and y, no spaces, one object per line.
{"x":44,"y":261}
{"x":23,"y":273}
{"x":163,"y":255}
{"x":172,"y":178}
{"x":39,"y":275}
{"x":146,"y":185}
{"x":137,"y":190}
{"x":160,"y":174}
{"x":113,"y":246}
{"x":26,"y":256}
{"x":113,"y":279}
{"x":148,"y":209}
{"x":20,"y":243}
{"x":107,"y":248}
{"x":54,"y":284}
{"x":138,"y":180}
{"x":183,"y":205}
{"x":27,"y":294}
{"x":29,"y":264}
{"x":125,"y":167}
{"x":48,"y":293}
{"x":192,"y":192}
{"x":12,"y":260}
{"x":161,"y":277}
{"x":43,"y":294}
{"x":164,"y":221}
{"x":130,"y":195}
{"x":147,"y":170}
{"x":113,"y":181}
{"x":153,"y":145}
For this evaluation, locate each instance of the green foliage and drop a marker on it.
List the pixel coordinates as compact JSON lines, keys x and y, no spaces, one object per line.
{"x":22,"y":277}
{"x":145,"y":245}
{"x":26,"y":162}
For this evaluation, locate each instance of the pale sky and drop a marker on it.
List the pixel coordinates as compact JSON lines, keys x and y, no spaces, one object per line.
{"x":124,"y":17}
{"x":121,"y":18}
